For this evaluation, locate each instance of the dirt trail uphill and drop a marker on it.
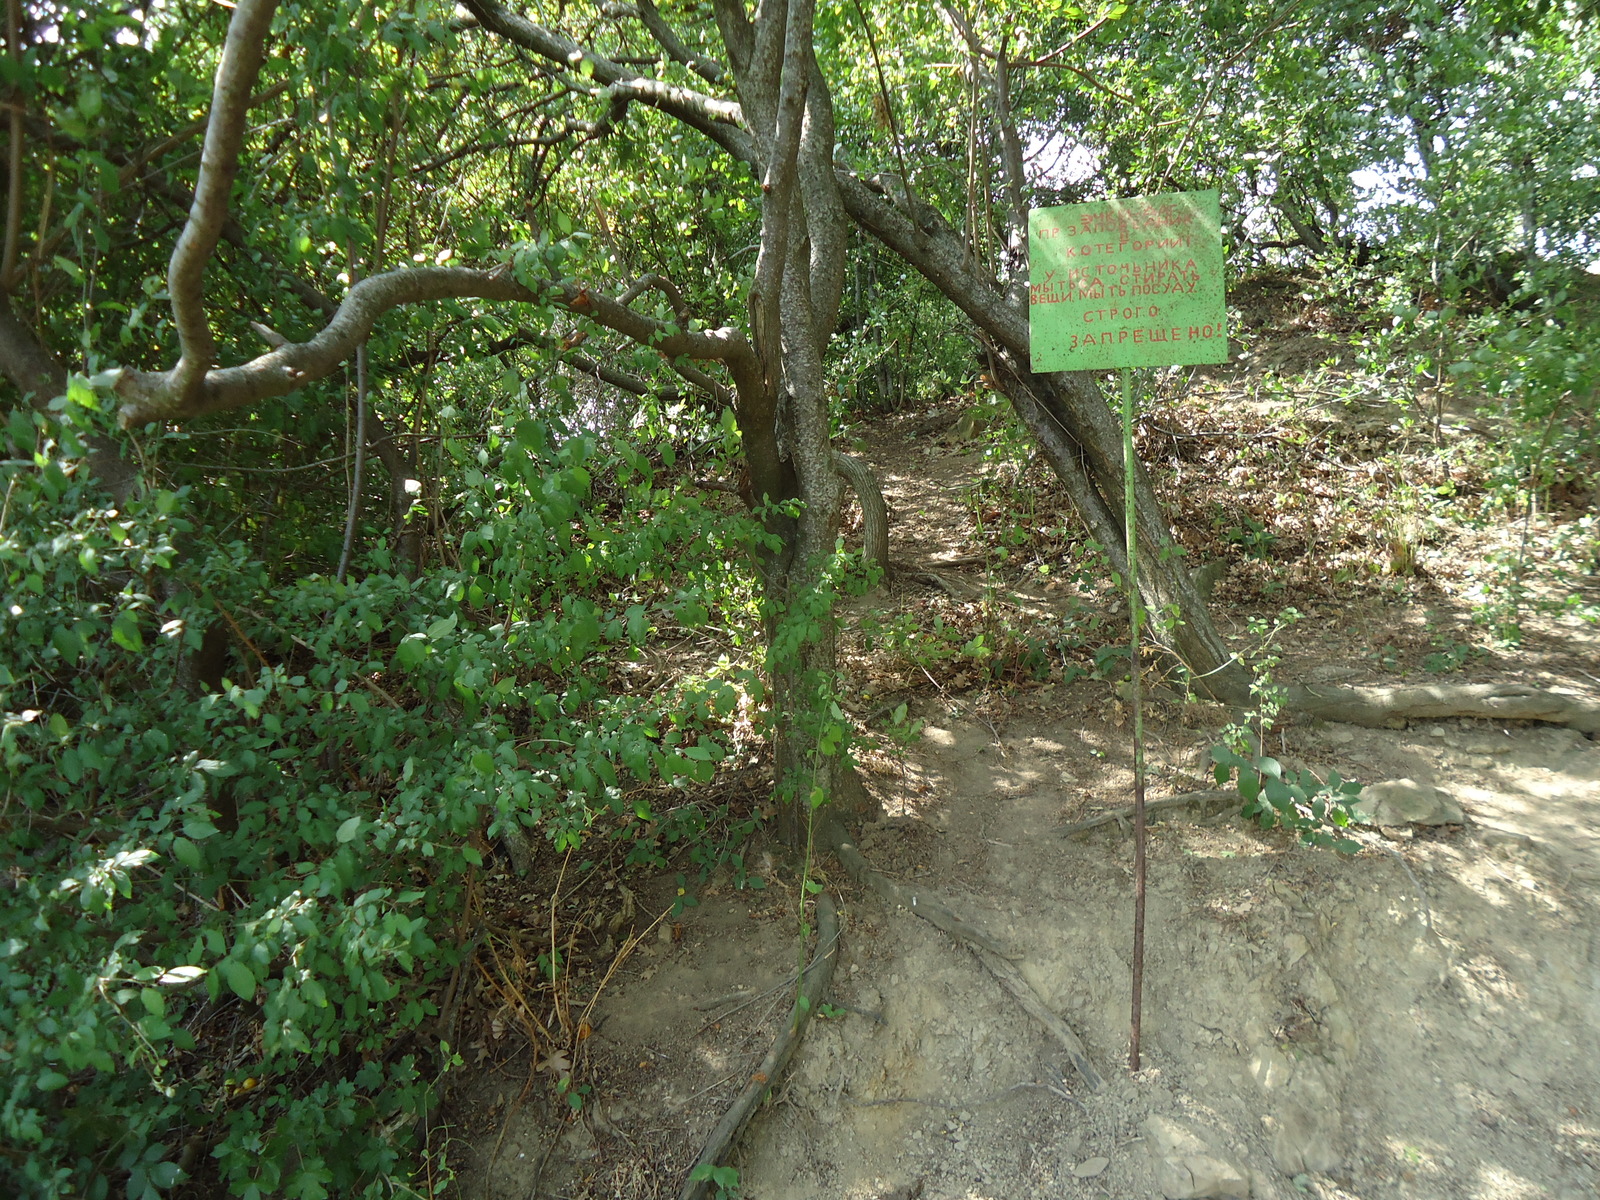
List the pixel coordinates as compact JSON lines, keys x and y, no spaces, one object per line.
{"x":1419,"y":1020}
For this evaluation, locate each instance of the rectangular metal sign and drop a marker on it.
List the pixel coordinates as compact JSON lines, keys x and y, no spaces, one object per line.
{"x":1127,"y":283}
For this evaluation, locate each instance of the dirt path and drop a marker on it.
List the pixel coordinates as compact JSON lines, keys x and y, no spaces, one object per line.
{"x":1301,"y":1019}
{"x":1418,"y":1021}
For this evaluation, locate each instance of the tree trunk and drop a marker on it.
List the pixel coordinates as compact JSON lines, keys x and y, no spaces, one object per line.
{"x":1083,"y":444}
{"x":1080,"y":436}
{"x":794,"y":305}
{"x":874,"y":512}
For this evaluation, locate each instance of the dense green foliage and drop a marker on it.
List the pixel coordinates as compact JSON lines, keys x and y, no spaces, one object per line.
{"x":298,"y":838}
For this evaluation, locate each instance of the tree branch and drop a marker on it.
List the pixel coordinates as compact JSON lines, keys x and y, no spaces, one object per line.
{"x":154,"y":396}
{"x":825,"y":217}
{"x":787,"y":78}
{"x":166,"y":145}
{"x":624,"y":381}
{"x":720,"y":120}
{"x":707,"y":68}
{"x":13,"y":230}
{"x":219,"y":165}
{"x":940,"y":256}
{"x":680,"y":307}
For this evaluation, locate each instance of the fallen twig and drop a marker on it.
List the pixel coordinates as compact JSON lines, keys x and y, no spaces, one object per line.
{"x":1123,"y":815}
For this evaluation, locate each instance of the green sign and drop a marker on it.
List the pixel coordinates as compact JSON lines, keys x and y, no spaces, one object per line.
{"x":1127,"y":283}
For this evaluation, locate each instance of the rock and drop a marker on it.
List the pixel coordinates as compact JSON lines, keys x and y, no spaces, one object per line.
{"x":1295,"y":947}
{"x":1405,"y":802}
{"x":1090,"y":1167}
{"x":1300,"y":1141}
{"x":1207,"y":577}
{"x":1186,"y":1166}
{"x":1303,"y":1113}
{"x":964,"y":429}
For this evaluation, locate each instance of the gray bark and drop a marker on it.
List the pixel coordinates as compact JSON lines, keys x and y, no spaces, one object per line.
{"x":874,"y":512}
{"x":1078,"y":432}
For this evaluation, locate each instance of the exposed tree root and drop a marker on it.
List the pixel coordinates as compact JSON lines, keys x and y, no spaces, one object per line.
{"x":926,"y":905}
{"x":874,"y":512}
{"x":1122,"y":816}
{"x":814,"y":986}
{"x":990,"y":952}
{"x":1386,"y":707}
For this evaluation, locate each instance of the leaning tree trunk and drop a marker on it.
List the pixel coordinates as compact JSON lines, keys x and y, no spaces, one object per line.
{"x":1082,"y":440}
{"x":1083,"y":445}
{"x":1080,"y":436}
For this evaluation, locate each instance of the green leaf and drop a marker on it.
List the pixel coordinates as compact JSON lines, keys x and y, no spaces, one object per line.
{"x":187,"y":853}
{"x":164,"y":1174}
{"x":411,"y":651}
{"x":199,"y":828}
{"x":239,"y":977}
{"x":1225,"y":757}
{"x":348,"y":830}
{"x":125,"y":631}
{"x":51,"y":1081}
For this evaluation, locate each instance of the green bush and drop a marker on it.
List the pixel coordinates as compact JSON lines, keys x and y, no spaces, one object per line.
{"x":225,"y":911}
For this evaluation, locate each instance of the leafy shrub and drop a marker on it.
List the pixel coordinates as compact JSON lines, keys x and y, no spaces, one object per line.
{"x":225,"y":910}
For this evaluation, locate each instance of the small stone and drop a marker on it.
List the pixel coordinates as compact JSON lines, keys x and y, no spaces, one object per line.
{"x":1341,"y":737}
{"x":1405,"y":802}
{"x":1090,"y":1167}
{"x":1437,"y":731}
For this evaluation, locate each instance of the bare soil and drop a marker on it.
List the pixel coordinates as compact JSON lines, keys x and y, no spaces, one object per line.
{"x":1420,"y":1020}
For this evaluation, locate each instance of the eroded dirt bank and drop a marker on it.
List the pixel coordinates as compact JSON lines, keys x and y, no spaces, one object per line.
{"x":1419,"y":1020}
